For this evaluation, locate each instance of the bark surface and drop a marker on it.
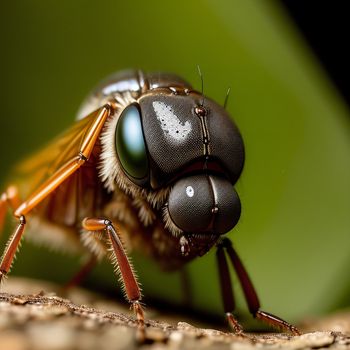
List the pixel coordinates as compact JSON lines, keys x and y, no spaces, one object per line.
{"x":42,"y":320}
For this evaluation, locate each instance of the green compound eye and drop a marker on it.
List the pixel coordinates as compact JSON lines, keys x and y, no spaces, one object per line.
{"x":130,"y":143}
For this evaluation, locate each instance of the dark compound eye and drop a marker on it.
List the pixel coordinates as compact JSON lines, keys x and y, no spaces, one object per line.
{"x":130,"y":143}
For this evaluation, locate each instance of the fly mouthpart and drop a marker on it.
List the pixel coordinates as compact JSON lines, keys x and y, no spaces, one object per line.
{"x":184,"y":246}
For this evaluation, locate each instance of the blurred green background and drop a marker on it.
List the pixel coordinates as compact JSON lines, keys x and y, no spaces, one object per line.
{"x":294,"y":232}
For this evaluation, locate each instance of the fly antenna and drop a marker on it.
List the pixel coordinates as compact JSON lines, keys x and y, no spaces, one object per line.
{"x":227,"y":96}
{"x":202,"y":87}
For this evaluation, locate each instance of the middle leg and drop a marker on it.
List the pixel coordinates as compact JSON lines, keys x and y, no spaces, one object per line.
{"x":123,"y":266}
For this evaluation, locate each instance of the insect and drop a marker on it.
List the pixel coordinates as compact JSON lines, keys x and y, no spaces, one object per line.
{"x":150,"y":164}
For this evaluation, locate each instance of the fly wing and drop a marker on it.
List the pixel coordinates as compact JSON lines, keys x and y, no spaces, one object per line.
{"x":80,"y":194}
{"x":32,"y":171}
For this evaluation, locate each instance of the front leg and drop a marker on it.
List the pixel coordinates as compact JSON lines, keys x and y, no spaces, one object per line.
{"x":248,"y":290}
{"x":227,"y":291}
{"x":123,"y":267}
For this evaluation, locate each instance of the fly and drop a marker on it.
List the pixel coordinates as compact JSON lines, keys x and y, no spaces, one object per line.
{"x":149,"y":161}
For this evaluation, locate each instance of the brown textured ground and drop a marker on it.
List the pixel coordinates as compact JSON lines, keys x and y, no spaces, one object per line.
{"x":43,"y":321}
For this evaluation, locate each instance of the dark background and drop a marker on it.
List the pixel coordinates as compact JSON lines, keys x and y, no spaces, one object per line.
{"x":325,"y":26}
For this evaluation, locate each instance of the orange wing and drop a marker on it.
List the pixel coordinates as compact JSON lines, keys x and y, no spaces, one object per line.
{"x":31,"y":172}
{"x":80,"y":194}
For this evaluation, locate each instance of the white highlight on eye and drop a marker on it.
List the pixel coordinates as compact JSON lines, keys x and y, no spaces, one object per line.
{"x":189,"y":191}
{"x":170,"y":123}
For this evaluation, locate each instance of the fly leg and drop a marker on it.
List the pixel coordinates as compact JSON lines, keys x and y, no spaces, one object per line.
{"x":11,"y":248}
{"x":251,"y":295}
{"x":226,"y":290}
{"x":10,"y":198}
{"x":50,"y":185}
{"x":123,"y":267}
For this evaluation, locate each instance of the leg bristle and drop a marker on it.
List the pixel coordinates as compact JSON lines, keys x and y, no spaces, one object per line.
{"x":3,"y":277}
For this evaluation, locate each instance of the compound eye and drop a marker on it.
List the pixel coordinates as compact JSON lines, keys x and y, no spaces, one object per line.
{"x":130,"y":143}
